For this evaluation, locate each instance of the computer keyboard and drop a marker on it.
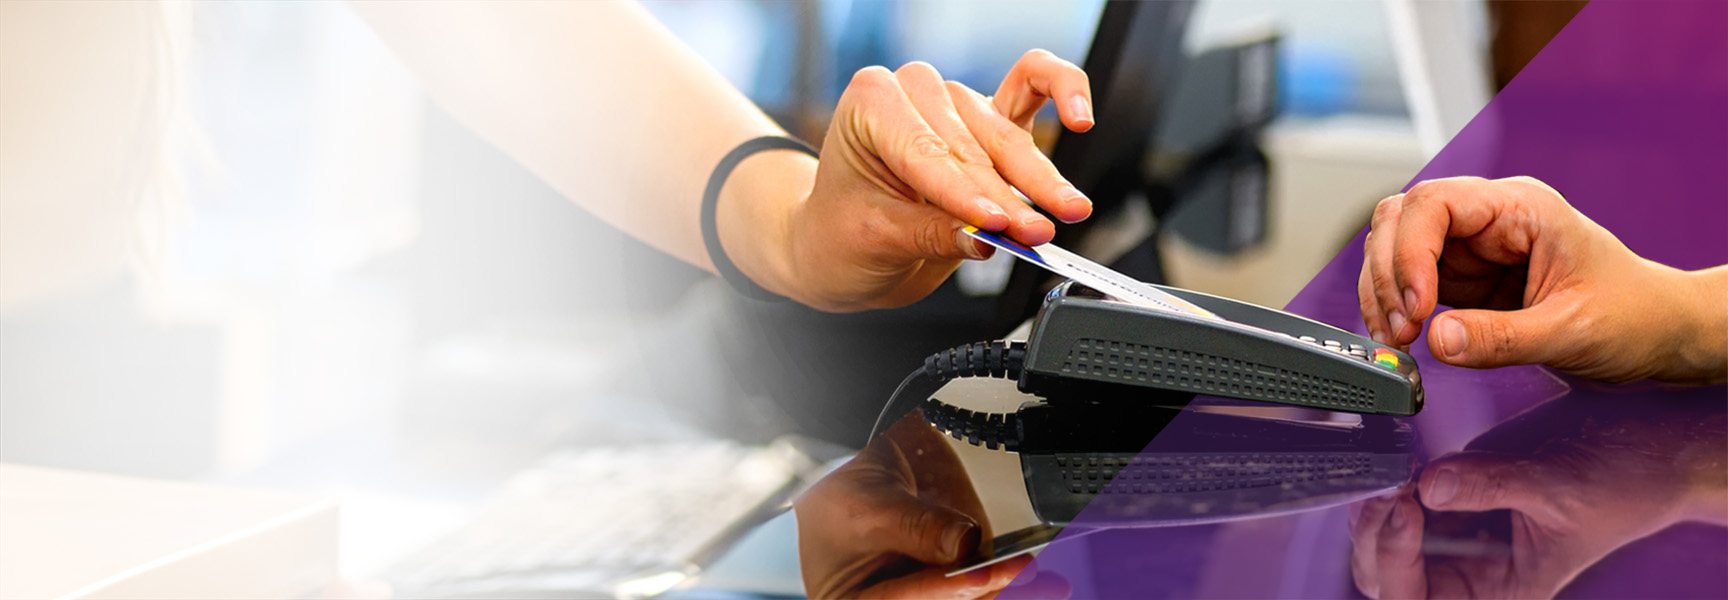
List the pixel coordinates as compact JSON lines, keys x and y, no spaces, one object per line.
{"x":609,"y":521}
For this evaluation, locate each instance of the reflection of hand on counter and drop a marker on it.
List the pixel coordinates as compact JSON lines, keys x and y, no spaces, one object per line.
{"x":1531,"y":504}
{"x":1536,"y":282}
{"x":885,"y":524}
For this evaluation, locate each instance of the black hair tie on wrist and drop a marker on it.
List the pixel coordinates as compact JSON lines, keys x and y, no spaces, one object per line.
{"x":711,"y":197}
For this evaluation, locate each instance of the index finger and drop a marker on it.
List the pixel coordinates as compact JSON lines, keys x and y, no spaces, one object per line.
{"x":1017,"y":159}
{"x":1038,"y":75}
{"x":1433,"y":211}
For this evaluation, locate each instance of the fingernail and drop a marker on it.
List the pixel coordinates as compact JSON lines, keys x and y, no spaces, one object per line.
{"x":977,"y":580}
{"x":1398,"y":322}
{"x":1398,"y":517}
{"x":1444,"y":487}
{"x":973,"y":248}
{"x":1377,"y":335}
{"x":1072,"y":199}
{"x":1071,"y":194}
{"x":1452,"y":338}
{"x":1082,"y":110}
{"x":954,"y":537}
{"x":1031,"y":219}
{"x":1409,"y":300}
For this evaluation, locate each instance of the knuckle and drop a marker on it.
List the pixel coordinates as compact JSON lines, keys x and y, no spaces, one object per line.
{"x":917,"y":67}
{"x":972,"y":155}
{"x":1380,"y":280}
{"x":1007,"y":135}
{"x":1386,"y":207}
{"x":1501,"y":338}
{"x":1420,"y":194}
{"x":1036,"y":54}
{"x":1487,"y":491}
{"x":918,"y":522}
{"x":1365,"y":300}
{"x":870,"y":76}
{"x":930,"y":239}
{"x":927,"y":145}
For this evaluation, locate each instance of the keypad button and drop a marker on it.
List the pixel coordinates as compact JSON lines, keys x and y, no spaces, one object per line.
{"x":1333,"y":344}
{"x":1307,"y":338}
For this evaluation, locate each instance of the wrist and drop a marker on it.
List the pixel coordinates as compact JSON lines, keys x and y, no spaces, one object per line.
{"x":1703,"y":356}
{"x":753,"y":216}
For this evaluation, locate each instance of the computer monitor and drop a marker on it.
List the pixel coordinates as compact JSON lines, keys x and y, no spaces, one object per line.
{"x":1134,"y":58}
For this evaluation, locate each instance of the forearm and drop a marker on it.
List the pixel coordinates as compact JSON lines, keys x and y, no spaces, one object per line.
{"x":596,"y":98}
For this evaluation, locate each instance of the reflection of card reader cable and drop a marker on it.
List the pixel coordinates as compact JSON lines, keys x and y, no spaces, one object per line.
{"x":1082,"y":342}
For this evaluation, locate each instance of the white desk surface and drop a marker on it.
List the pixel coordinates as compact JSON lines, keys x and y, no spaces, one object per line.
{"x":67,"y":534}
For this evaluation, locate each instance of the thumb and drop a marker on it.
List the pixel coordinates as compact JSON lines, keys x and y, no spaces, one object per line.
{"x":938,"y":235}
{"x":927,"y":533}
{"x":1489,"y":338}
{"x":1474,"y":481}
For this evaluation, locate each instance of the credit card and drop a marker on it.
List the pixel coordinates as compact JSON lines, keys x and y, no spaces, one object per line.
{"x":1012,"y":544}
{"x":1090,"y":274}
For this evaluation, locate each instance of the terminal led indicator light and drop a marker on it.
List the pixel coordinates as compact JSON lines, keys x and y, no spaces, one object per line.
{"x":1385,"y":358}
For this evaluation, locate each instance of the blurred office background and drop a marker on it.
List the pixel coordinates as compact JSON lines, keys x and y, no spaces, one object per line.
{"x":333,"y":287}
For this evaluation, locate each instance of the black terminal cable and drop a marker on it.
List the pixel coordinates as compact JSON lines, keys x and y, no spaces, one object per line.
{"x":1001,"y":359}
{"x":989,"y":430}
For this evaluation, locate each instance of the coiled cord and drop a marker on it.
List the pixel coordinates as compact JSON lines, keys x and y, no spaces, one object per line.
{"x":998,"y":358}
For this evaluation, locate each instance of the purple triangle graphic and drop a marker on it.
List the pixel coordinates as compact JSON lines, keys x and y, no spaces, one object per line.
{"x":1626,"y":113}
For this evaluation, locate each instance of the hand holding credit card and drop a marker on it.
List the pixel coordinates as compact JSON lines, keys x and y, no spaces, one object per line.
{"x":1093,"y":275}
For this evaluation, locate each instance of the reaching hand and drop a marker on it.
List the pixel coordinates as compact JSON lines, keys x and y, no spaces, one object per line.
{"x":885,"y":524}
{"x":1531,"y":504}
{"x":908,"y":161}
{"x":1535,"y":281}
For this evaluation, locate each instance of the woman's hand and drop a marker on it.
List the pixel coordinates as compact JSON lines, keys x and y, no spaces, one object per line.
{"x":1535,"y":281}
{"x":889,"y":522}
{"x":910,"y":160}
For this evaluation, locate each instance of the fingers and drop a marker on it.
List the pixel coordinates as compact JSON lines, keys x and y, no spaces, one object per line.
{"x":1389,"y":322}
{"x":1486,"y":338}
{"x":1040,"y":585}
{"x":1502,"y":214}
{"x":1477,"y":481}
{"x":927,"y":533}
{"x":1498,"y":220}
{"x":892,"y":130}
{"x":1367,"y":519}
{"x":935,"y":583}
{"x":1017,"y":158}
{"x":1403,"y":570}
{"x":932,"y":98}
{"x":1431,"y":212}
{"x":1040,"y":75}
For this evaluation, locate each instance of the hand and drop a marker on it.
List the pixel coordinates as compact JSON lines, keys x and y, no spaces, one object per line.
{"x":1568,"y":483}
{"x":908,"y":161}
{"x":1535,"y":281}
{"x":886,"y":523}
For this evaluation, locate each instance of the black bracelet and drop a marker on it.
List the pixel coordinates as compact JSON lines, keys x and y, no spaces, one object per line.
{"x":711,"y":197}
